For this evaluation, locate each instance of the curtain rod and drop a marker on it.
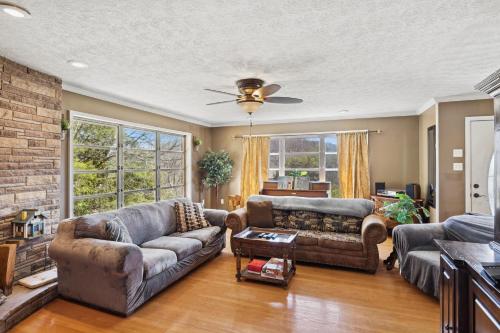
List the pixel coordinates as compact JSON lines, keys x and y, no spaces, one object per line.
{"x":309,"y":133}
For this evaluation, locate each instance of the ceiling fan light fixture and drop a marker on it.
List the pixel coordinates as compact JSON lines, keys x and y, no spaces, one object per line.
{"x":14,"y":10}
{"x":250,"y":106}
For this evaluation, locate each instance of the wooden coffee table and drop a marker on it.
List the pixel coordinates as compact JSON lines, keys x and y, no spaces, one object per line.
{"x":283,"y":246}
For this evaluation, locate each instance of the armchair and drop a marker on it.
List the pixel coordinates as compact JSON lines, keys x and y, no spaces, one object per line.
{"x":418,"y":255}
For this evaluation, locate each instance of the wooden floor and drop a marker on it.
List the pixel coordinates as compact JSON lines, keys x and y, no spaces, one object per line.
{"x":319,"y":299}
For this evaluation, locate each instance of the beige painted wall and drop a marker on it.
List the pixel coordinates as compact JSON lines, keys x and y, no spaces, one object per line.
{"x":76,"y":102}
{"x":452,"y":136}
{"x":394,"y":154}
{"x":425,"y":120}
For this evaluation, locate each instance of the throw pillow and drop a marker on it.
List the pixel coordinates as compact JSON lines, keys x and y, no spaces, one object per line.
{"x":280,"y":218}
{"x":117,"y":231}
{"x":189,"y":216}
{"x":260,"y":214}
{"x":342,"y":224}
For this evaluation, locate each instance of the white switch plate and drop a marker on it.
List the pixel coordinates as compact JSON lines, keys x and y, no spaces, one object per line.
{"x":222,"y":201}
{"x":458,"y":153}
{"x":458,"y":166}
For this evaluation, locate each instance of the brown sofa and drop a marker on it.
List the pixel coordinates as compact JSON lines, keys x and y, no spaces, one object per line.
{"x":356,"y":248}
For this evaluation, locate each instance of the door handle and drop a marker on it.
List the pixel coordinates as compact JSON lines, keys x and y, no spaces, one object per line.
{"x":477,"y":195}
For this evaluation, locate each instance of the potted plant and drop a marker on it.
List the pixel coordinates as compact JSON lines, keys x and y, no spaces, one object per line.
{"x":197,"y":142}
{"x":216,"y":167}
{"x":64,"y":128}
{"x":404,"y":210}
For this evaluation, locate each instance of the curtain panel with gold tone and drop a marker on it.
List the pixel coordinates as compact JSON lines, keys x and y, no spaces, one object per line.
{"x":354,"y":175}
{"x":254,"y":167}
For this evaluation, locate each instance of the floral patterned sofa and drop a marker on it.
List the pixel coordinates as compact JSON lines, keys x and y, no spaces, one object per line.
{"x":340,"y":232}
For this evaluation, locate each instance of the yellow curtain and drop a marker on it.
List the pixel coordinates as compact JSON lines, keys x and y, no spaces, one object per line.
{"x":254,"y":166}
{"x":354,"y":175}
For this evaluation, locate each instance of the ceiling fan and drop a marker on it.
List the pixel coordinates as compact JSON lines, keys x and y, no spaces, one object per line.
{"x":253,"y":94}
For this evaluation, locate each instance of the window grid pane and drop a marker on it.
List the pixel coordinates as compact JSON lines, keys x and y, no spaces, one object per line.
{"x":315,"y":154}
{"x":116,"y":166}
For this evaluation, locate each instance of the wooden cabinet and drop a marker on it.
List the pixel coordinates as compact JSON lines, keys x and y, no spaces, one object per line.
{"x":316,"y":190}
{"x":470,"y":301}
{"x":295,"y":193}
{"x":484,"y":310}
{"x":448,"y":298}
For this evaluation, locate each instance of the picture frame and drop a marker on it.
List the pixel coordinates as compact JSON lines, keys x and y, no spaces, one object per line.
{"x":302,"y":183}
{"x":285,"y":182}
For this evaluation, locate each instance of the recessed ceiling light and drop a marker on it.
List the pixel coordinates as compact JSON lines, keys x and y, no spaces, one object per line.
{"x":14,"y":10}
{"x":77,"y":64}
{"x":343,"y":111}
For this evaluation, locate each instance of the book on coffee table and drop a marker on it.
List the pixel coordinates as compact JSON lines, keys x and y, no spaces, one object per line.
{"x":273,"y":269}
{"x":255,"y":266}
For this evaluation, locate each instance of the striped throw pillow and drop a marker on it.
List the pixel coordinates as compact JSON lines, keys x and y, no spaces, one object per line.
{"x":190,"y":216}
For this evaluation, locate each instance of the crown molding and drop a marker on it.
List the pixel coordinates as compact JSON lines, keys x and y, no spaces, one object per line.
{"x":131,"y":104}
{"x":426,"y":106}
{"x":472,"y":96}
{"x":315,"y":119}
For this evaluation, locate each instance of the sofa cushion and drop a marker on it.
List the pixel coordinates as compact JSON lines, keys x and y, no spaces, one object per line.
{"x":280,"y":218}
{"x":308,"y":237}
{"x":344,"y":241}
{"x":190,"y":216}
{"x":205,"y":235}
{"x":149,"y":221}
{"x":305,"y":220}
{"x":260,"y":214}
{"x":340,"y":223}
{"x":424,"y":268}
{"x":156,"y":261}
{"x":183,"y":247}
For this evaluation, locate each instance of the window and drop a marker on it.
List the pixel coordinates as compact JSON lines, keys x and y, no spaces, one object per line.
{"x":314,"y":154}
{"x":116,"y":166}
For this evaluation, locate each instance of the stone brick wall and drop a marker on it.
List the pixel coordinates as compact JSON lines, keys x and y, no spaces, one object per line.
{"x":30,"y":145}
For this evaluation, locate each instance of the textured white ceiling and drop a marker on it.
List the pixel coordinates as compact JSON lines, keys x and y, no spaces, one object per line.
{"x":375,"y":58}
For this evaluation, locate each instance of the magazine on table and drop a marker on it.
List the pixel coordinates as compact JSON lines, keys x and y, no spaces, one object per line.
{"x":274,"y":268}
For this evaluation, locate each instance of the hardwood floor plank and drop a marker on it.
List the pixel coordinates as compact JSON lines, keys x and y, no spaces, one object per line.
{"x":319,"y":299}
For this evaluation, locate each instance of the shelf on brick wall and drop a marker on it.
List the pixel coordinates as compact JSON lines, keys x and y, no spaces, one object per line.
{"x":31,"y":255}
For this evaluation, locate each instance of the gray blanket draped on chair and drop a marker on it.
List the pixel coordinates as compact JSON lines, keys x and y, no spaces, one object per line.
{"x":418,"y":255}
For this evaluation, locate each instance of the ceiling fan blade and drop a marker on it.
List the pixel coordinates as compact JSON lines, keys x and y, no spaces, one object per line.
{"x":233,"y":100}
{"x":221,"y":92}
{"x":283,"y":100}
{"x":267,"y":90}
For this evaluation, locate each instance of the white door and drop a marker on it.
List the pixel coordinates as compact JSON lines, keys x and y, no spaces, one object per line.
{"x":479,"y":151}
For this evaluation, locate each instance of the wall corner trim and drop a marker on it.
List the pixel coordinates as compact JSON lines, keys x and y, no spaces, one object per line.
{"x":132,"y":104}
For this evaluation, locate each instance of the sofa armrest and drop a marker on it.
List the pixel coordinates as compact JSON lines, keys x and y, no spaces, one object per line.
{"x":216,"y":216}
{"x":115,"y":257}
{"x":408,"y":237}
{"x":373,"y":230}
{"x":237,"y":220}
